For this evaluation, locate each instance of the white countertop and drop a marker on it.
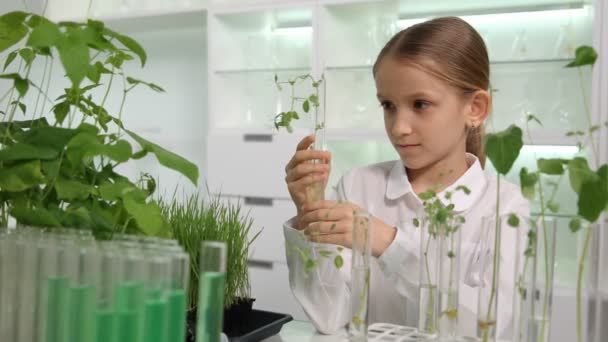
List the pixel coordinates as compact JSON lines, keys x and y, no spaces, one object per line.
{"x":303,"y":331}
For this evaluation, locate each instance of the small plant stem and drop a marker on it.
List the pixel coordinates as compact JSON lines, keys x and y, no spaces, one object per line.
{"x":579,"y":285}
{"x":430,"y":308}
{"x":46,"y":90}
{"x":547,"y":266}
{"x":46,"y":65}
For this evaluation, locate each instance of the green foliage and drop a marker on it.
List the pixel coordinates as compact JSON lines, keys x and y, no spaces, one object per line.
{"x":503,"y":148}
{"x":193,"y":221}
{"x":285,"y":119}
{"x":58,"y":165}
{"x":584,"y":55}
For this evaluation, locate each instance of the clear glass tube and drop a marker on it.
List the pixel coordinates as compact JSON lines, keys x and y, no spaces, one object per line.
{"x":316,"y":191}
{"x":540,"y":287}
{"x":360,"y":276}
{"x":449,"y":283}
{"x":428,"y":280}
{"x":27,"y":261}
{"x":490,"y":270}
{"x":8,"y":288}
{"x":211,"y":291}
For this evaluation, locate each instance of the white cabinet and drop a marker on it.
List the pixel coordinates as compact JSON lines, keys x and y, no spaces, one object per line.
{"x":250,"y":164}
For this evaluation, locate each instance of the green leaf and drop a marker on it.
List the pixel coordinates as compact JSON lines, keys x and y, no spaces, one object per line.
{"x":532,"y":117}
{"x":427,"y":195}
{"x":584,"y":55}
{"x":152,"y":86}
{"x":416,"y":223}
{"x":314,"y":99}
{"x":120,"y":151}
{"x":325,"y":254}
{"x":553,"y":206}
{"x":147,"y":215}
{"x":168,"y":159}
{"x":70,"y":189}
{"x":27,"y":55}
{"x":115,"y":191}
{"x":503,"y":148}
{"x":579,"y":171}
{"x":21,"y":151}
{"x":513,"y":220}
{"x":451,"y":254}
{"x":22,"y":86}
{"x":21,"y":105}
{"x":21,"y":177}
{"x":592,"y":199}
{"x":46,"y":34}
{"x":527,"y":182}
{"x":9,"y":59}
{"x":575,"y":225}
{"x":553,"y":166}
{"x":464,"y":189}
{"x":38,"y":217}
{"x":61,"y":110}
{"x":74,"y":55}
{"x":12,"y":29}
{"x":306,"y":106}
{"x":52,"y":137}
{"x":338,"y":261}
{"x":93,"y":74}
{"x":129,"y":43}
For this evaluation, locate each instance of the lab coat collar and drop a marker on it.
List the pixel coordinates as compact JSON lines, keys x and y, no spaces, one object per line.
{"x":474,"y":179}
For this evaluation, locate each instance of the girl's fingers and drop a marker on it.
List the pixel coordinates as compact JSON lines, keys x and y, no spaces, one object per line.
{"x":334,"y":239}
{"x":303,"y":170}
{"x":306,"y":156}
{"x":323,"y":228}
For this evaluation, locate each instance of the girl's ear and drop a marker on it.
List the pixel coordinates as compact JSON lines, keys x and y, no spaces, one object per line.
{"x":478,"y":108}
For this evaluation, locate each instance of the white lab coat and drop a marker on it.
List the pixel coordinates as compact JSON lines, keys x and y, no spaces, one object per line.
{"x":384,"y":190}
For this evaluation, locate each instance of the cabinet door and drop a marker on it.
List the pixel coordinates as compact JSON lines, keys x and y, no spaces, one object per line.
{"x":270,"y":288}
{"x":250,"y":164}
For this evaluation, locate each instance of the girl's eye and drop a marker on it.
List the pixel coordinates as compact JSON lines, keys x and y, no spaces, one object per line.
{"x":421,"y":104}
{"x":386,"y":105}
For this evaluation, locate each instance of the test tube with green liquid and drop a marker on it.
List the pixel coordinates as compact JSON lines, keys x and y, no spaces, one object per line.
{"x":211,"y":291}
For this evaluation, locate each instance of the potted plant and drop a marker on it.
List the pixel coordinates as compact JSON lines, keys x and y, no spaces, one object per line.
{"x":194,"y":220}
{"x":58,"y":155}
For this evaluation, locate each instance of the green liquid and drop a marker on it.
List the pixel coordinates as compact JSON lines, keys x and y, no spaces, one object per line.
{"x":127,"y":326}
{"x":210,"y":307}
{"x":56,"y":309}
{"x":105,"y":327}
{"x":155,"y":322}
{"x":177,"y":315}
{"x":129,"y":299}
{"x":81,"y":301}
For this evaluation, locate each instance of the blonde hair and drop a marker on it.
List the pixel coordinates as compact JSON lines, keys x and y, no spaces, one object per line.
{"x":450,"y":49}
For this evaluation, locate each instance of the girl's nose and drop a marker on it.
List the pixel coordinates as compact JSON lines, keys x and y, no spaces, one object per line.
{"x":402,"y":124}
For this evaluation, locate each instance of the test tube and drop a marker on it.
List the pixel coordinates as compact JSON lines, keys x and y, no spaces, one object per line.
{"x":211,"y":291}
{"x":361,"y":256}
{"x":8,"y":287}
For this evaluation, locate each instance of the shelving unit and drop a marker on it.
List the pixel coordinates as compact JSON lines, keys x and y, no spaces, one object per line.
{"x":249,"y":41}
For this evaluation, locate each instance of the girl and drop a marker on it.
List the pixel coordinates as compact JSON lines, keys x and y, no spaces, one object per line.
{"x":432,"y":81}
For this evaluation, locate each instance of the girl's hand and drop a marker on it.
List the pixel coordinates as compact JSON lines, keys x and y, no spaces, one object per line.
{"x":301,"y":172}
{"x":332,"y":222}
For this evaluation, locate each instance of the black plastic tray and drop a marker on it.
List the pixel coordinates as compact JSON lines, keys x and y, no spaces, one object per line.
{"x":260,"y":325}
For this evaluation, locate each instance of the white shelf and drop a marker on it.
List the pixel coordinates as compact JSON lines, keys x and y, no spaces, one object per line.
{"x":174,"y":18}
{"x":262,"y":70}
